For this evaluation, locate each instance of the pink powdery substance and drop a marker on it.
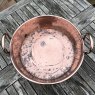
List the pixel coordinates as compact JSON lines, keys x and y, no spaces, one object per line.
{"x":47,"y":54}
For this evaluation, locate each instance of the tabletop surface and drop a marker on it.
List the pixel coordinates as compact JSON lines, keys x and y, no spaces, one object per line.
{"x":81,"y":14}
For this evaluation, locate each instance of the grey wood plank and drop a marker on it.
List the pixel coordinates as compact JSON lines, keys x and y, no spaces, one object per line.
{"x":22,"y":15}
{"x":8,"y":76}
{"x":6,"y":25}
{"x":93,"y":25}
{"x":0,"y":68}
{"x":38,"y":89}
{"x":12,"y":22}
{"x":26,"y":12}
{"x":50,"y":91}
{"x":4,"y":93}
{"x":17,"y":18}
{"x":3,"y":29}
{"x":87,"y":3}
{"x":47,"y":5}
{"x":64,"y":7}
{"x":62,"y":89}
{"x":76,"y":5}
{"x":5,"y":57}
{"x":88,"y":70}
{"x":90,"y":30}
{"x":70,"y":5}
{"x":11,"y":90}
{"x":92,"y":56}
{"x":2,"y":62}
{"x":27,"y":87}
{"x":37,"y":8}
{"x":83,"y":3}
{"x":56,"y":6}
{"x":19,"y":88}
{"x":77,"y":79}
{"x":32,"y":10}
{"x":87,"y":78}
{"x":41,"y":5}
{"x":84,"y":18}
{"x":76,"y":89}
{"x":53,"y":10}
{"x":94,"y":21}
{"x":14,"y":7}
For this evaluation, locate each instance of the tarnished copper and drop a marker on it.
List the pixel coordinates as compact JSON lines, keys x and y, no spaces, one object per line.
{"x":46,"y":22}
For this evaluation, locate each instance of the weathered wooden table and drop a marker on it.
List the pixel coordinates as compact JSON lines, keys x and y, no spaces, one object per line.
{"x":81,"y":14}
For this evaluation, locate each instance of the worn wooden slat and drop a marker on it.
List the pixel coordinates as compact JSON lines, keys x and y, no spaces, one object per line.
{"x":60,"y":9}
{"x":63,"y":88}
{"x":32,"y":10}
{"x":83,"y":3}
{"x":19,"y":88}
{"x":4,"y":55}
{"x":26,"y":12}
{"x":11,"y":90}
{"x":17,"y":18}
{"x":90,"y":30}
{"x":88,"y":70}
{"x":77,"y":79}
{"x":5,"y":24}
{"x":27,"y":87}
{"x":76,"y":5}
{"x":64,"y":7}
{"x":87,"y":78}
{"x":4,"y":93}
{"x":37,"y":8}
{"x":2,"y":62}
{"x":53,"y":10}
{"x":3,"y":29}
{"x":0,"y":68}
{"x":76,"y":89}
{"x":13,"y":22}
{"x":38,"y":89}
{"x":70,"y":5}
{"x":47,"y":5}
{"x":8,"y":76}
{"x":14,"y":7}
{"x":40,"y":4}
{"x":49,"y":90}
{"x":93,"y":25}
{"x":94,"y":21}
{"x":84,"y":18}
{"x":92,"y":56}
{"x":22,"y":15}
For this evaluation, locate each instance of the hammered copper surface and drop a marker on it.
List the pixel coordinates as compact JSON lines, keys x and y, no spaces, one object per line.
{"x":46,"y":22}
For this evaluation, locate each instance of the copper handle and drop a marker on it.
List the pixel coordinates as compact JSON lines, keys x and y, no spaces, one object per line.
{"x":91,"y":43}
{"x":5,"y":36}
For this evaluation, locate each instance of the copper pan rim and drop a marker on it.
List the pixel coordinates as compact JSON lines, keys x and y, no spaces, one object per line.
{"x":47,"y":82}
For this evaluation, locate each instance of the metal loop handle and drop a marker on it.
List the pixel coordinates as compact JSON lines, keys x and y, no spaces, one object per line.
{"x":5,"y":36}
{"x":91,"y":43}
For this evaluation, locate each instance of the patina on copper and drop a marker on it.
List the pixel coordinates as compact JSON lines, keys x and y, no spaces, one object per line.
{"x":47,"y":22}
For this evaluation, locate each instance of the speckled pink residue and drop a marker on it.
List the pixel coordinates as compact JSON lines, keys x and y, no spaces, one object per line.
{"x":47,"y":54}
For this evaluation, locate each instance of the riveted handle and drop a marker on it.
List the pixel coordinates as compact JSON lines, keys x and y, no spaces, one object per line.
{"x":5,"y":36}
{"x":91,"y":43}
